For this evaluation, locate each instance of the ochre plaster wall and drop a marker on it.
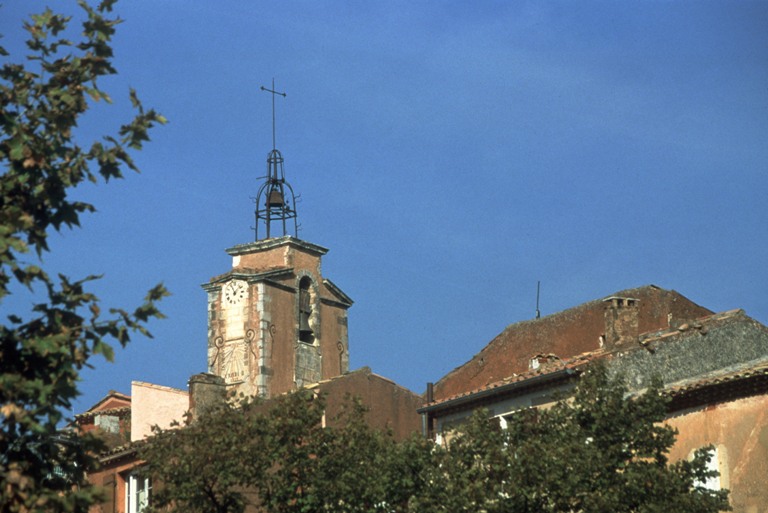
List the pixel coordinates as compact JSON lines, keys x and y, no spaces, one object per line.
{"x":112,"y":479}
{"x":282,"y":306}
{"x":281,"y":256}
{"x":155,"y":405}
{"x":263,"y":260}
{"x":334,"y":342}
{"x":390,"y":405}
{"x":739,"y":431}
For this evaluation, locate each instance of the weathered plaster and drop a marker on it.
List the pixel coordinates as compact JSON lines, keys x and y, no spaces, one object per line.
{"x":155,"y":405}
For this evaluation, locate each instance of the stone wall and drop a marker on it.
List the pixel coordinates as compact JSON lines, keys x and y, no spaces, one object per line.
{"x":720,"y":344}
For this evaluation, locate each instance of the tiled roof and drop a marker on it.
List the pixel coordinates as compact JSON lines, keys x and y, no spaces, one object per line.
{"x":701,"y":324}
{"x":560,"y":369}
{"x":362,"y":370}
{"x":111,"y":395}
{"x":753,"y":372}
{"x":554,"y":368}
{"x":740,"y":383}
{"x":121,"y":451}
{"x":566,"y":334}
{"x":122,"y":411}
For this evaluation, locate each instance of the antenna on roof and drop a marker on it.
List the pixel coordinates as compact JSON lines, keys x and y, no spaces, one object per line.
{"x":538,"y":290}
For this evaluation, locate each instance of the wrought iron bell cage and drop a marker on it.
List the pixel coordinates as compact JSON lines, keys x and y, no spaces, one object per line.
{"x":275,"y":201}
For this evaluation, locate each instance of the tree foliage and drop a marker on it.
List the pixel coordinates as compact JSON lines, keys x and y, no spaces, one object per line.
{"x":43,"y":350}
{"x":598,"y":450}
{"x":277,"y":456}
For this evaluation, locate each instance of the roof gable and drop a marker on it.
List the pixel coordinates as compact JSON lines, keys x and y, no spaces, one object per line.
{"x":111,"y":401}
{"x":338,"y":295}
{"x":563,"y":335}
{"x":717,"y":350}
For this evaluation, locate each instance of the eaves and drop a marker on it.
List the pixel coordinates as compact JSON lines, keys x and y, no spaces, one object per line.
{"x":487,"y":395}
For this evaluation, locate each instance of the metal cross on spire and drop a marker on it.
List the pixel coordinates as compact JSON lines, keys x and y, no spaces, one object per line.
{"x":275,"y":201}
{"x":274,"y":146}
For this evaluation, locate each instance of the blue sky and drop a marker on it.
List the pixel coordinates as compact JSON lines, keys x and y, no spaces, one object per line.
{"x":450,"y":155}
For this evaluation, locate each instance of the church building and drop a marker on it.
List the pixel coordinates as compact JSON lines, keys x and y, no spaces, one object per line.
{"x":275,"y":325}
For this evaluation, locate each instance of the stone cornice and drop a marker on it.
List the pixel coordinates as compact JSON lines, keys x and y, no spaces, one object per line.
{"x":267,"y":244}
{"x":250,"y":277}
{"x":341,"y":297}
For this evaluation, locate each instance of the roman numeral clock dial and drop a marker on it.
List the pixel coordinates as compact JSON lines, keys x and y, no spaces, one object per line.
{"x":234,"y":292}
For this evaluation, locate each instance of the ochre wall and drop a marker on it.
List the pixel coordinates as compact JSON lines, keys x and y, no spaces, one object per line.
{"x":282,"y":306}
{"x":739,"y":431}
{"x":155,"y":405}
{"x":111,"y":478}
{"x":390,"y":405}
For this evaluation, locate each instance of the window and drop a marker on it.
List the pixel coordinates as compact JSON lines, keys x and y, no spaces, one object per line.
{"x":714,"y":482}
{"x":109,"y":423}
{"x":306,"y":333}
{"x":137,"y":493}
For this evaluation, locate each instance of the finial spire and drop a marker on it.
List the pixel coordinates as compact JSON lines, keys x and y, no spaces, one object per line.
{"x":275,"y":200}
{"x":274,"y":146}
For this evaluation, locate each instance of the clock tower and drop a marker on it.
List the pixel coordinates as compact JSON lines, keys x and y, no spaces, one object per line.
{"x":274,"y":322}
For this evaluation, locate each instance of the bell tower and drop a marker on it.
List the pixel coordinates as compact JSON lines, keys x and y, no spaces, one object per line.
{"x":274,"y":322}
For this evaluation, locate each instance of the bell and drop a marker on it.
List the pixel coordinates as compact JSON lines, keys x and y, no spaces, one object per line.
{"x":275,"y":199}
{"x":305,"y":332}
{"x":304,"y":323}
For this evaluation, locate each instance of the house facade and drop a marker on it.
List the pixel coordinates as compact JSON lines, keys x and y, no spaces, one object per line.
{"x":121,"y":420}
{"x":714,"y":367}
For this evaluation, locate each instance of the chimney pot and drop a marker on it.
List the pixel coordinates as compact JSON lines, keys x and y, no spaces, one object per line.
{"x":621,"y":322}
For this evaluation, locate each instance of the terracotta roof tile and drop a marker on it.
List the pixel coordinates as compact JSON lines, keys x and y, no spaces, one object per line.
{"x":576,"y":363}
{"x":752,"y":372}
{"x":122,"y":411}
{"x":566,"y":334}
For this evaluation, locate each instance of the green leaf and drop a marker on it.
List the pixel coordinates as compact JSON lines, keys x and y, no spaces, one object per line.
{"x":17,"y":146}
{"x":45,"y":346}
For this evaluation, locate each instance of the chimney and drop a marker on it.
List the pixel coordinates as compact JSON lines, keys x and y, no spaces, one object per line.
{"x":205,"y":392}
{"x":621,"y":325}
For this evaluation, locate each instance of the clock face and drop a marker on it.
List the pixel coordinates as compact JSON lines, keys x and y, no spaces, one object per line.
{"x":234,"y":292}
